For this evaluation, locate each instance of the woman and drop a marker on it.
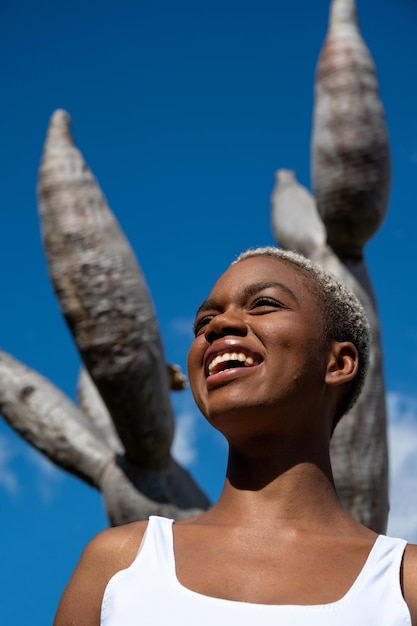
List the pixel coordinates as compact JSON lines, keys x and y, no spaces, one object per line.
{"x":279,"y":355}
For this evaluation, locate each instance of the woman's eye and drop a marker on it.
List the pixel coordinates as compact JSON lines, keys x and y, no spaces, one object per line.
{"x":266,"y":301}
{"x":200,"y":324}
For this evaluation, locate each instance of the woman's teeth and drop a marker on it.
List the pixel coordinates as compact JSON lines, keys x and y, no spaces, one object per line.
{"x":240,"y":357}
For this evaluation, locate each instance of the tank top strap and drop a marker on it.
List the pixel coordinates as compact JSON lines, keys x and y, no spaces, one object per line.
{"x":389,"y":548}
{"x":157,"y":549}
{"x":386,"y":551}
{"x":381,"y":573}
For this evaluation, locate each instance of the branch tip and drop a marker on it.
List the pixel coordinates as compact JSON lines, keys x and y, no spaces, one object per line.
{"x":59,"y":130}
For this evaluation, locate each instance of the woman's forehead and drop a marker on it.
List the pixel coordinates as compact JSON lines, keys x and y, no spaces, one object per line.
{"x":259,"y":269}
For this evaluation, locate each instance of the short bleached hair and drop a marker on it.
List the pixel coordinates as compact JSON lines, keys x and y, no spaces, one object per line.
{"x":344,"y":318}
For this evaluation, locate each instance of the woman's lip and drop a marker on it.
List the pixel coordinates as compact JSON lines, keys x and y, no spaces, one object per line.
{"x":225,"y":376}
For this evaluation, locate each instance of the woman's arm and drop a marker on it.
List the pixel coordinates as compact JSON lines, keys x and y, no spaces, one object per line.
{"x":109,"y":552}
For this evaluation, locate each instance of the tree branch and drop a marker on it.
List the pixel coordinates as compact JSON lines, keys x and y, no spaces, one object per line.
{"x":49,"y":421}
{"x":350,"y":148}
{"x":104,"y":298}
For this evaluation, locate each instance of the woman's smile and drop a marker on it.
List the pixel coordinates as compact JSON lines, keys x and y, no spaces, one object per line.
{"x":229,"y":354}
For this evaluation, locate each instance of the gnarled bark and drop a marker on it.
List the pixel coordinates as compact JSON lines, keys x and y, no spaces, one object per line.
{"x":350,"y":149}
{"x":104,"y":299}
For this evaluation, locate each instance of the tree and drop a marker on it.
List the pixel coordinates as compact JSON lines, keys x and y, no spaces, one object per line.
{"x":119,"y":437}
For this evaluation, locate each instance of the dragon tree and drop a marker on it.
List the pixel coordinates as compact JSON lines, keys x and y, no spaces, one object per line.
{"x":118,"y":436}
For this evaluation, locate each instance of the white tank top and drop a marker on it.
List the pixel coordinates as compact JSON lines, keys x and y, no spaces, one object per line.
{"x":148,"y":593}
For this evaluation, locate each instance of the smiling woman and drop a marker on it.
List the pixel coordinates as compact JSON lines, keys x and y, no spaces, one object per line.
{"x":279,"y":354}
{"x":286,"y":346}
{"x":340,"y":314}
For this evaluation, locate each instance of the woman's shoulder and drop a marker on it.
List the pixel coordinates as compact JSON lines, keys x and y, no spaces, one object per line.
{"x":116,"y":546}
{"x":409,"y":578}
{"x":112,"y":550}
{"x":106,"y":554}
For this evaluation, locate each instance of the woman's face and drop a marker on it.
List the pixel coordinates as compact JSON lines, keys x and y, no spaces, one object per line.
{"x":258,"y":352}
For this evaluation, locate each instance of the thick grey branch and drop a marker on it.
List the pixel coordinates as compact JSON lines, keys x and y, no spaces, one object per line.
{"x":104,"y":298}
{"x":49,"y":421}
{"x":296,"y":223}
{"x":93,"y":407}
{"x":350,"y":148}
{"x":96,"y":411}
{"x":132,"y":493}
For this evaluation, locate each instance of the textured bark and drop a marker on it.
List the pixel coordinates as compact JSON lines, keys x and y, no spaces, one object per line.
{"x":350,"y":150}
{"x":104,"y":298}
{"x":296,"y":225}
{"x":132,"y":493}
{"x":49,"y":421}
{"x":96,"y":411}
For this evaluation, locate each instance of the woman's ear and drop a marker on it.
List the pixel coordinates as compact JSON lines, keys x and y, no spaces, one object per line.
{"x":343,"y":363}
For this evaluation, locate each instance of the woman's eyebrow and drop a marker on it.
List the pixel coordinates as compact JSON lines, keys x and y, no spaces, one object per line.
{"x":254,"y":288}
{"x":207,"y":305}
{"x":250,"y":290}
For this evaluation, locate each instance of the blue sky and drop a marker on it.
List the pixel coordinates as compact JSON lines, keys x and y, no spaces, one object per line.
{"x":184,"y":111}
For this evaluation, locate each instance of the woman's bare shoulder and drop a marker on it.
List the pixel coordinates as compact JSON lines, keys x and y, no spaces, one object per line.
{"x":409,"y":576}
{"x":117,"y":545}
{"x":106,"y":554}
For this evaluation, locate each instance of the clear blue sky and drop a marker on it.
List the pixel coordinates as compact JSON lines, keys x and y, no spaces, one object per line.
{"x":184,"y":110}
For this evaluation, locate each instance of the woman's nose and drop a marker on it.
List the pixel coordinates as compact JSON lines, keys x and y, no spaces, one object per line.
{"x":226,"y":323}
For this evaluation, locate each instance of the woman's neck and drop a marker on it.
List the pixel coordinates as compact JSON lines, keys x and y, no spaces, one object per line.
{"x":281,"y":487}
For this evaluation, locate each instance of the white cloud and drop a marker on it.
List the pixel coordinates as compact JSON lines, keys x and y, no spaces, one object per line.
{"x":184,"y":448}
{"x":8,"y":478}
{"x":402,"y":439}
{"x":17,"y":453}
{"x":48,"y":476}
